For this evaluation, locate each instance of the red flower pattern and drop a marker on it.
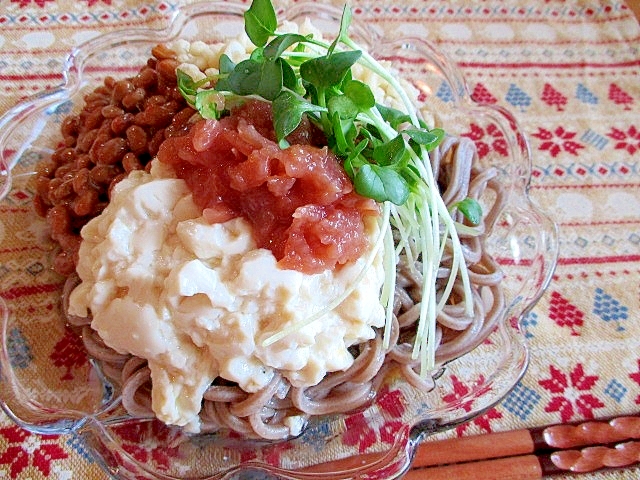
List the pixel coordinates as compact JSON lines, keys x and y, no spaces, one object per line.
{"x":26,"y":3}
{"x":619,"y":96}
{"x":565,"y":313}
{"x":636,"y":378}
{"x":360,"y":432}
{"x":488,"y":139}
{"x":553,"y":97}
{"x":628,"y":140}
{"x":462,"y":390}
{"x":480,"y":94}
{"x":26,"y":450}
{"x":557,"y":141}
{"x":69,"y":353}
{"x":135,"y":441}
{"x":43,"y":3}
{"x":389,"y":431}
{"x":391,"y":401}
{"x":273,"y":453}
{"x":571,"y":394}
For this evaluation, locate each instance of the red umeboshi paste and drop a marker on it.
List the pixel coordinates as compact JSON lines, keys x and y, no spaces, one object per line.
{"x":299,"y":200}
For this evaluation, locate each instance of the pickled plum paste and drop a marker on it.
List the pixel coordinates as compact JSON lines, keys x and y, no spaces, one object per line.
{"x":299,"y":201}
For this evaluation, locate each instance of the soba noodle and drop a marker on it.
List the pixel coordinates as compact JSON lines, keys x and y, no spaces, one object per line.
{"x":263,"y":414}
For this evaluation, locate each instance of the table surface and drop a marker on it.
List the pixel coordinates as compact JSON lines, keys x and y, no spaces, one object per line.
{"x":569,"y":70}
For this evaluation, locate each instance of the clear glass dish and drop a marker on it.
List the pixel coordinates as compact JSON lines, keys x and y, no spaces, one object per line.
{"x":50,"y":386}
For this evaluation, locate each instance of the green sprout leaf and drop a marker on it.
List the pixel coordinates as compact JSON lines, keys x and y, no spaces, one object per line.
{"x":411,"y":174}
{"x":471,"y":209}
{"x":257,"y":78}
{"x":209,"y":104}
{"x":226,"y":64}
{"x":345,"y":21}
{"x":325,"y":72}
{"x":257,"y":55}
{"x":260,"y":22}
{"x":186,"y":85}
{"x":427,"y":138}
{"x":355,"y":160}
{"x":394,"y":117}
{"x":288,"y":109}
{"x":381,"y":183}
{"x":342,"y":106}
{"x":344,"y":135}
{"x":392,"y":153}
{"x":226,"y":67}
{"x":360,"y":94}
{"x":289,"y":77}
{"x":281,"y":43}
{"x":222,"y":85}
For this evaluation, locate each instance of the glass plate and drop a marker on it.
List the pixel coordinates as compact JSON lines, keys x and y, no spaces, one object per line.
{"x":50,"y":386}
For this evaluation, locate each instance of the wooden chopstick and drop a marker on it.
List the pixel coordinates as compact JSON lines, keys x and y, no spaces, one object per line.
{"x":523,"y":467}
{"x":527,"y":454}
{"x":536,"y":466}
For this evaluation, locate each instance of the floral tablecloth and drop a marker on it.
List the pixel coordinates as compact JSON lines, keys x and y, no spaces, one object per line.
{"x":570,"y":72}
